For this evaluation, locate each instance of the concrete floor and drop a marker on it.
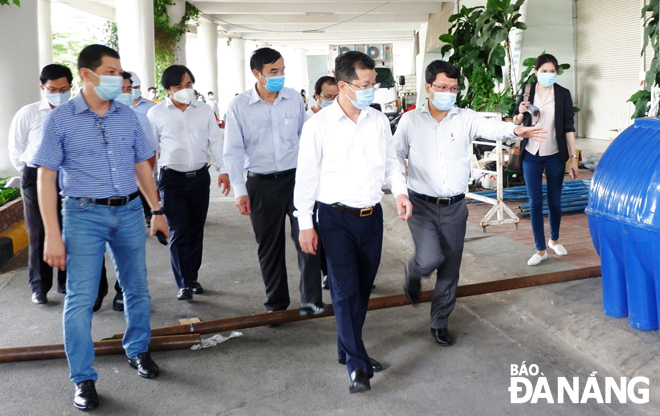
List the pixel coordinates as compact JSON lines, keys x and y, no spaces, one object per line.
{"x":292,"y":369}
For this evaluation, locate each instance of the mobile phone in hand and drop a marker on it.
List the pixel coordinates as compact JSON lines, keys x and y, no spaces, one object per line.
{"x":570,"y":173}
{"x":161,"y":238}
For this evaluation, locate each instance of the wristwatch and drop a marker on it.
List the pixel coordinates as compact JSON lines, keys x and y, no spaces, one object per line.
{"x":574,"y":156}
{"x":157,"y":212}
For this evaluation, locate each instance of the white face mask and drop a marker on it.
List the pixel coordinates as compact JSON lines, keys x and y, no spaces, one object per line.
{"x":151,"y":95}
{"x":184,"y":96}
{"x":56,"y":99}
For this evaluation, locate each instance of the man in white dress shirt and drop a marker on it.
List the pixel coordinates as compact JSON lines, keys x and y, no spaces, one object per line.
{"x":437,"y":141}
{"x":262,"y":135}
{"x":346,"y":152}
{"x":24,"y":138}
{"x":186,"y":131}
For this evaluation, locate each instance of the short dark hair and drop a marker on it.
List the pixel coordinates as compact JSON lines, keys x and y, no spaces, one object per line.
{"x":173,"y":75}
{"x":127,"y":75}
{"x":210,"y":92}
{"x":544,"y":59}
{"x":152,"y":88}
{"x":439,"y":67}
{"x":55,"y":71}
{"x":318,"y":87}
{"x":263,"y":56}
{"x":92,"y":55}
{"x":347,"y":63}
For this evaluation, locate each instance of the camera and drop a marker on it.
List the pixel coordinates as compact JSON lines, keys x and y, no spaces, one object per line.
{"x":532,"y":110}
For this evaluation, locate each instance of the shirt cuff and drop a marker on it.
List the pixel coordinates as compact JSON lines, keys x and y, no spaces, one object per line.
{"x":221,"y":170}
{"x":399,"y":188}
{"x":305,"y":222}
{"x":239,"y":190}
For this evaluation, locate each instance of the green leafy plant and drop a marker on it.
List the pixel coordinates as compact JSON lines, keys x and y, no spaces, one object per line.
{"x":167,"y":35}
{"x":8,"y":194}
{"x":479,"y":37}
{"x":110,"y":37}
{"x":642,"y":98}
{"x":6,"y":2}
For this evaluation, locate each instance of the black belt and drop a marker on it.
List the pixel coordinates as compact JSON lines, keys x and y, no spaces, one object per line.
{"x":360,"y":212}
{"x":115,"y":201}
{"x":438,"y":201}
{"x":275,"y":175}
{"x":188,"y":175}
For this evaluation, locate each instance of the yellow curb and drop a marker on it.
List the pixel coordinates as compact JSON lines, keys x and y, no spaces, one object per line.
{"x":18,"y":235}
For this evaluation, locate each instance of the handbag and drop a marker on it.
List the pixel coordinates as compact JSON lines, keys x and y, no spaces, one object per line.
{"x":515,"y":160}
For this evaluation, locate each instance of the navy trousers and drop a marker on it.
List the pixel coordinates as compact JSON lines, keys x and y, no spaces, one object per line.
{"x":352,"y":247}
{"x":186,"y":204}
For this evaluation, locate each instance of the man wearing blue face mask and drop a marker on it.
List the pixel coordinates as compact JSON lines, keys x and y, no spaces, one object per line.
{"x":325,"y":93}
{"x":138,"y":104}
{"x":24,"y":137}
{"x":101,"y":151}
{"x":261,"y":136}
{"x":437,"y":141}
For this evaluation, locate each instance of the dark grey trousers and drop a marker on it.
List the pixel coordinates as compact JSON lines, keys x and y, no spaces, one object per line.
{"x":439,"y":233}
{"x":271,"y":201}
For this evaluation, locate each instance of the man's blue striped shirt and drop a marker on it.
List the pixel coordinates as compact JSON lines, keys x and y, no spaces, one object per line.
{"x":95,"y":155}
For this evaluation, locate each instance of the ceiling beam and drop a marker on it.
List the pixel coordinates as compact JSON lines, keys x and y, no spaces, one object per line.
{"x":294,"y":19}
{"x":366,"y":27}
{"x":355,"y":7}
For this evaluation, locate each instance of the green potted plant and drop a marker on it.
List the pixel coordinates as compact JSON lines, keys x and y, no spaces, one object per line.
{"x":642,"y":98}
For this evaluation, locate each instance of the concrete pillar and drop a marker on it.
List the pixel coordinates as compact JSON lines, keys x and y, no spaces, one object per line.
{"x":175,"y":12}
{"x":135,"y":30}
{"x":45,"y":34}
{"x":304,"y":77}
{"x":207,"y":36}
{"x":19,"y":66}
{"x":238,"y":49}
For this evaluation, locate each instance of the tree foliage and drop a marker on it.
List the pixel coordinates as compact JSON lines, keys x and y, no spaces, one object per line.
{"x":642,"y":99}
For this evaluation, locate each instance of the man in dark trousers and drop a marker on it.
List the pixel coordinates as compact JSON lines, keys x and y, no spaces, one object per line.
{"x":437,"y":141}
{"x":100,"y":151}
{"x":24,"y":138}
{"x":186,"y":132}
{"x":346,"y":153}
{"x":261,"y":136}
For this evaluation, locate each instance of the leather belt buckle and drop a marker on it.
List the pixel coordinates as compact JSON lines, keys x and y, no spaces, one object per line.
{"x":117,"y":201}
{"x":190,"y":175}
{"x":365,"y":212}
{"x":444,"y":201}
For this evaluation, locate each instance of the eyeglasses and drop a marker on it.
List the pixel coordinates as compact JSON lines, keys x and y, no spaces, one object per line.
{"x":127,"y":90}
{"x":372,"y":87}
{"x":99,"y":123}
{"x":328,"y":97}
{"x":61,"y":90}
{"x":442,"y":88}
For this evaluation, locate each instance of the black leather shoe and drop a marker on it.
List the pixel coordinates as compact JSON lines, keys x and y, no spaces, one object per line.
{"x":99,"y":301}
{"x":39,"y":298}
{"x":375,"y":365}
{"x":313,"y":308}
{"x":324,"y":283}
{"x":118,"y":302}
{"x":442,"y":336}
{"x":359,"y":381}
{"x":146,"y":367}
{"x":185,"y":294}
{"x":86,"y":397}
{"x":197,"y":289}
{"x":412,"y":287}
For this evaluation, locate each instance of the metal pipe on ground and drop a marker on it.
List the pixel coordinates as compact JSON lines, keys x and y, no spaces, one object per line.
{"x":45,"y":352}
{"x":382,"y":302}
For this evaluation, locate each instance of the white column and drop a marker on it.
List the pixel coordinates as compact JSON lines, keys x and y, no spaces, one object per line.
{"x":238,"y":49}
{"x":207,"y":36}
{"x":19,"y":66}
{"x":45,"y":34}
{"x":304,"y":77}
{"x":135,"y":30}
{"x":175,"y":12}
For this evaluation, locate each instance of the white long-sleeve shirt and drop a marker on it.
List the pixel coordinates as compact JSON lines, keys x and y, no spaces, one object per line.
{"x":186,"y":137}
{"x":25,"y":133}
{"x":340,"y":161}
{"x":439,"y":154}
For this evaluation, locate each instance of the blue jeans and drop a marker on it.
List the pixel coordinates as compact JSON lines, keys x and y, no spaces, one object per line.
{"x":533,"y":166}
{"x":87,"y":230}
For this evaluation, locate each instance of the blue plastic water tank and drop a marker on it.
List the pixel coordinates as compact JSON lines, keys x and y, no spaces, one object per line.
{"x":624,"y":220}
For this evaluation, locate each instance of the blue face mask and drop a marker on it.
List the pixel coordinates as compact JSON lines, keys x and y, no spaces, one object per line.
{"x":443,"y":101}
{"x":547,"y":79}
{"x":56,"y":98}
{"x":136,"y":94}
{"x":274,"y":84}
{"x":124,"y":98}
{"x":110,"y":86}
{"x":325,"y":103}
{"x":363,"y":98}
